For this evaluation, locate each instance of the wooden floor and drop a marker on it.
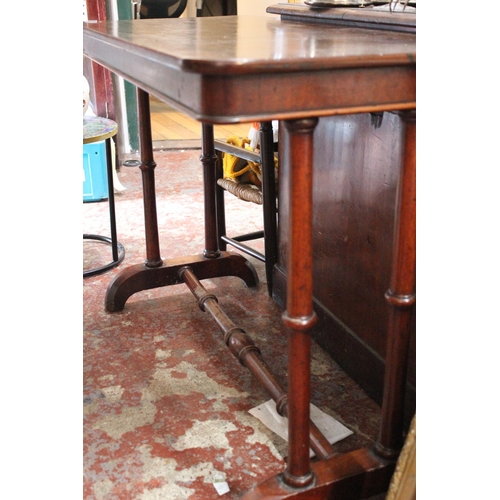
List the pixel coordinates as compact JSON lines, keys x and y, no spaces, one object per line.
{"x":174,"y":130}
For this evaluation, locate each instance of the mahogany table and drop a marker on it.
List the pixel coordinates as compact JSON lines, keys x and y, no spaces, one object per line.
{"x":233,"y":69}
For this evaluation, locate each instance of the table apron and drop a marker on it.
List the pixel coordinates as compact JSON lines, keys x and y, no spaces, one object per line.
{"x":241,"y":98}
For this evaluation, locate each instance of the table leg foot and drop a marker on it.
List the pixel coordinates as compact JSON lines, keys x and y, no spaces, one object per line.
{"x":357,"y":474}
{"x":139,"y":277}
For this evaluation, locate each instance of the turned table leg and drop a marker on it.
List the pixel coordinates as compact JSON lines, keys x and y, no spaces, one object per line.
{"x":365,"y":472}
{"x":401,"y":298}
{"x":155,"y":272}
{"x":208,"y":159}
{"x":153,"y":258}
{"x":299,"y":316}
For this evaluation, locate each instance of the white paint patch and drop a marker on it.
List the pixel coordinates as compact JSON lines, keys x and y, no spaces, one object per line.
{"x":204,"y":470}
{"x":165,"y":469}
{"x":207,"y":434}
{"x":113,"y":393}
{"x":261,"y":434}
{"x":102,"y":489}
{"x":160,"y":354}
{"x":129,"y":419}
{"x":165,"y":384}
{"x":157,"y":467}
{"x":167,"y":492}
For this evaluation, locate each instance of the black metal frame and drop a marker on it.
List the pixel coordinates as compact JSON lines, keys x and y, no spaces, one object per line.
{"x":117,"y":249}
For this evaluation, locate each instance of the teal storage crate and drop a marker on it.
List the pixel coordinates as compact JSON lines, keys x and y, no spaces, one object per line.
{"x":95,"y":178}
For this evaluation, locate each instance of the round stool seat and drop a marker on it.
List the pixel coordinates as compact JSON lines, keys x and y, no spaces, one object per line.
{"x":96,"y":129}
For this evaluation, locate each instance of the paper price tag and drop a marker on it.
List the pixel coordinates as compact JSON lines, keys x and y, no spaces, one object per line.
{"x":220,"y":485}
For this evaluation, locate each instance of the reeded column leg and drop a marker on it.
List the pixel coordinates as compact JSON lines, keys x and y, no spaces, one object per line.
{"x":400,"y":297}
{"x":299,"y":316}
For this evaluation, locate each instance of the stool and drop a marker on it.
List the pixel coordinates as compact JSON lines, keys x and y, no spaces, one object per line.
{"x":97,"y":129}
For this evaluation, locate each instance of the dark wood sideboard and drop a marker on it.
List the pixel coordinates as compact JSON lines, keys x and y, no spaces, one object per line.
{"x":356,"y":171}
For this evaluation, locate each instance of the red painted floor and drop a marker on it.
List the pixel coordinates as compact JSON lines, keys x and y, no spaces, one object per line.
{"x":165,"y":403}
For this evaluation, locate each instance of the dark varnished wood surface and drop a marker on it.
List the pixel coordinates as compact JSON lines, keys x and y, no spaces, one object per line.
{"x":367,"y":17}
{"x":230,"y":69}
{"x":254,"y":57}
{"x":356,"y":170}
{"x":337,"y":478}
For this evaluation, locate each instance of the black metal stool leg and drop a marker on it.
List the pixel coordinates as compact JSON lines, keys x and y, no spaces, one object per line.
{"x":117,"y":249}
{"x":269,"y":202}
{"x":111,"y":200}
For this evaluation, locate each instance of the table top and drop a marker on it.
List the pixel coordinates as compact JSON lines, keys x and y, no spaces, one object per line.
{"x":252,"y":68}
{"x":97,"y":129}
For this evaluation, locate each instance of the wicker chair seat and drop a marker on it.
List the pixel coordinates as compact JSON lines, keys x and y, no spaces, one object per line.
{"x":242,"y":190}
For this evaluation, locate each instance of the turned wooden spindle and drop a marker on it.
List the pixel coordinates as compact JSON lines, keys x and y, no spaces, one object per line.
{"x":153,"y":258}
{"x":248,"y":354}
{"x":208,"y":159}
{"x":299,"y":316}
{"x":401,"y":298}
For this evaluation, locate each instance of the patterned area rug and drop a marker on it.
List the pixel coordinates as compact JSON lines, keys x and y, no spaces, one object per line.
{"x":166,"y":405}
